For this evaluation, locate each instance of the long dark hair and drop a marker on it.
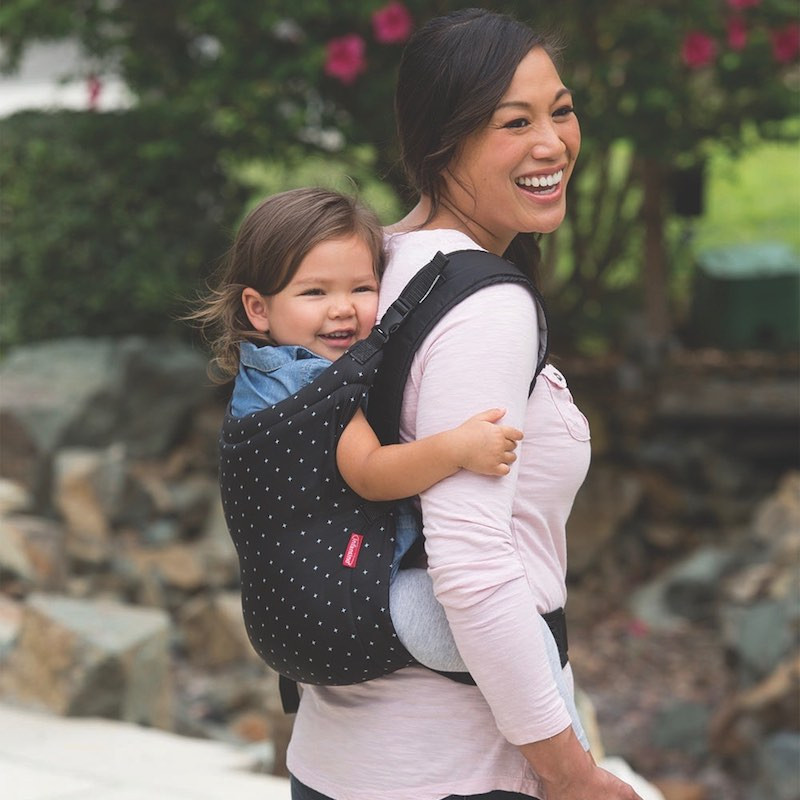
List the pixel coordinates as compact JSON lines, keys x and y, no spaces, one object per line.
{"x":453,"y":73}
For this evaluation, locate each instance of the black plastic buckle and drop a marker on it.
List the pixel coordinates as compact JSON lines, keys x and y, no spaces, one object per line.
{"x":393,"y":318}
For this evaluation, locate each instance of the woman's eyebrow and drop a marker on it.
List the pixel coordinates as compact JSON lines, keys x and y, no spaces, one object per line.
{"x":522,"y":104}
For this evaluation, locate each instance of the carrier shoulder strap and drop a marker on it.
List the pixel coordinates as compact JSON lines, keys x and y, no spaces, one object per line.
{"x":465,"y":272}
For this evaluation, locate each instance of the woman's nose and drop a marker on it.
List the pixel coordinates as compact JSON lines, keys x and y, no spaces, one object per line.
{"x":548,"y":143}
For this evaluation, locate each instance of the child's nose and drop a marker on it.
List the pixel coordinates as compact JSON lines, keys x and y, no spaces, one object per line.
{"x":342,"y":307}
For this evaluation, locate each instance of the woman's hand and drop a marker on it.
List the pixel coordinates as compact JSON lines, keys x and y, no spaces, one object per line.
{"x":568,"y":772}
{"x":484,"y":446}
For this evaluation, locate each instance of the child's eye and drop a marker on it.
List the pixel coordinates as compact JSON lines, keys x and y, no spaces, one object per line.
{"x":366,"y":289}
{"x":312,"y":293}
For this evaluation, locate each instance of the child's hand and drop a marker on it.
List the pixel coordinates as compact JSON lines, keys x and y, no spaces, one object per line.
{"x":485,"y":447}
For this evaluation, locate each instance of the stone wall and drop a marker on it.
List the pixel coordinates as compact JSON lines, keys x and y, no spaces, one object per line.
{"x":119,"y":583}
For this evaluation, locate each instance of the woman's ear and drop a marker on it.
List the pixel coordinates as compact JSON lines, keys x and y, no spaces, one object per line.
{"x":255,"y":306}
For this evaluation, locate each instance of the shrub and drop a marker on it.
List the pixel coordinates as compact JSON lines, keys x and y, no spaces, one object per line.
{"x":107,"y":221}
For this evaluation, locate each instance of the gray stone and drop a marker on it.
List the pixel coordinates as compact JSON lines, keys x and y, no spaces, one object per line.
{"x":92,"y":658}
{"x":683,"y":727}
{"x":687,"y":591}
{"x":760,"y":635}
{"x":91,"y":392}
{"x":779,"y":766}
{"x":41,"y":542}
{"x":77,"y":494}
{"x":14,"y":497}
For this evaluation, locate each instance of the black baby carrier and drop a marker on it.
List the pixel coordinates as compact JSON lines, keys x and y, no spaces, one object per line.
{"x":314,"y":557}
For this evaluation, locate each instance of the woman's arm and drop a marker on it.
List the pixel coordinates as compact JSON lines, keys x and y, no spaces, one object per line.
{"x":402,"y":470}
{"x":483,"y":353}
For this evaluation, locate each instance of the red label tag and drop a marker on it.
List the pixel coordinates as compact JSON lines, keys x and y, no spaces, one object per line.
{"x":352,"y":550}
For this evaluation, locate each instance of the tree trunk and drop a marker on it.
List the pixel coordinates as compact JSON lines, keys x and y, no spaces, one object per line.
{"x":655,"y":279}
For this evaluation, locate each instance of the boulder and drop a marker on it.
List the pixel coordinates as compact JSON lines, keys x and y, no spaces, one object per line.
{"x":605,"y":501}
{"x":92,"y":658}
{"x":91,"y":392}
{"x":39,"y":546}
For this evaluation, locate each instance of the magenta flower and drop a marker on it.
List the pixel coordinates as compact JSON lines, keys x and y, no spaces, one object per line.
{"x":344,"y":58}
{"x":737,"y":33}
{"x":698,"y":50}
{"x":738,"y":5}
{"x":392,"y":23}
{"x":786,"y":43}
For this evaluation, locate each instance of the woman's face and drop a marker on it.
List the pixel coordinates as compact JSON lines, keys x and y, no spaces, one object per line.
{"x":511,"y":177}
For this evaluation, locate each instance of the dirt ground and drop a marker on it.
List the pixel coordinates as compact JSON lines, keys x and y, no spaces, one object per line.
{"x":634,"y":676}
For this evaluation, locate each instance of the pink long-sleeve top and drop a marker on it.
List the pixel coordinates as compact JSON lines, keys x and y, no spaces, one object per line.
{"x":497,"y":555}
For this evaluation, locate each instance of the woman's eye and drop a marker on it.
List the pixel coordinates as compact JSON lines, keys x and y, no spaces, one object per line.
{"x":517,"y":123}
{"x":564,"y":111}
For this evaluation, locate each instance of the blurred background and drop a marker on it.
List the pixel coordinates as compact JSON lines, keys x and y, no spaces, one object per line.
{"x":133,"y":138}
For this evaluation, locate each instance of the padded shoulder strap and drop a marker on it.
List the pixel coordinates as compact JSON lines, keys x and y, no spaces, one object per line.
{"x":465,"y":272}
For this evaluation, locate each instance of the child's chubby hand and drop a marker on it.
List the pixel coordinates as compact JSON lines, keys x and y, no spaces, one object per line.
{"x":484,"y":446}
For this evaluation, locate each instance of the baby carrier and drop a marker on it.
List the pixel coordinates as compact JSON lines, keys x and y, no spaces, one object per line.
{"x":314,"y":557}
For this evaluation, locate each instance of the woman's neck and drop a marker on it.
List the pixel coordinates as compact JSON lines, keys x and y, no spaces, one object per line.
{"x":447,"y":217}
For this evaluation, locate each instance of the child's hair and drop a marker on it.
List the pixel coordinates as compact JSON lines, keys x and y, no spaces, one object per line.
{"x":266,"y":253}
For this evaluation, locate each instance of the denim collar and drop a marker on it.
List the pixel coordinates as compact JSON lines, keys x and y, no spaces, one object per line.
{"x":271,"y":357}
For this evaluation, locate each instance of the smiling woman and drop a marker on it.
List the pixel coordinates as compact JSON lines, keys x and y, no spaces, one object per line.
{"x":489,"y":139}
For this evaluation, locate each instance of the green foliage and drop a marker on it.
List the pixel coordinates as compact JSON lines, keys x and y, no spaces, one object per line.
{"x":106,"y":221}
{"x":255,"y":74}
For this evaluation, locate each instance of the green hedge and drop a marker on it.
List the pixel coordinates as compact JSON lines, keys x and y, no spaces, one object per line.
{"x":108,"y":222}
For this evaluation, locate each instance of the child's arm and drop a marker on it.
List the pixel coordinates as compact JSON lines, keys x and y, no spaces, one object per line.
{"x":402,"y":470}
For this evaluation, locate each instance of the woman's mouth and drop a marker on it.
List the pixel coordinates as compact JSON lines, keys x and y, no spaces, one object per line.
{"x":541,"y":185}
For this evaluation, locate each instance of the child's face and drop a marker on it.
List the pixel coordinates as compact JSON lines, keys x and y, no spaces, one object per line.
{"x":330,"y":303}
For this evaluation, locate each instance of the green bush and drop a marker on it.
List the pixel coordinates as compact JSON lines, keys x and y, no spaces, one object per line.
{"x":107,"y":221}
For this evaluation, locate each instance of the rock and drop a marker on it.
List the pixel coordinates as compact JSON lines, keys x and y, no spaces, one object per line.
{"x":771,"y":705}
{"x":676,"y":789}
{"x":760,"y":635}
{"x":604,"y":502}
{"x":14,"y":497}
{"x":778,"y":773}
{"x":162,"y":576}
{"x":683,"y":727}
{"x":778,"y":516}
{"x":213,"y":631}
{"x":41,"y":543}
{"x":15,"y":566}
{"x":92,"y":658}
{"x":79,"y":475}
{"x":687,"y":591}
{"x":770,"y":400}
{"x":91,"y":392}
{"x":10,"y":622}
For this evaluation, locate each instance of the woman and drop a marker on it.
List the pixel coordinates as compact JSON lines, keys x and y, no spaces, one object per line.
{"x":489,"y":140}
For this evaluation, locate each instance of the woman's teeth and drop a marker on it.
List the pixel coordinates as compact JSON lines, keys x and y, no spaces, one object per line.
{"x":542,"y":182}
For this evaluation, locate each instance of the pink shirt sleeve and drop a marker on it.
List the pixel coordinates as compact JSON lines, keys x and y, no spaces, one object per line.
{"x":482,"y":355}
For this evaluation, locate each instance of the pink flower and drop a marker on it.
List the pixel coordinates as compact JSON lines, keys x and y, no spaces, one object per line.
{"x":344,"y":58}
{"x":740,"y":4}
{"x":698,"y":50}
{"x":737,"y":33}
{"x":786,"y":43}
{"x":93,"y":87}
{"x":392,"y":23}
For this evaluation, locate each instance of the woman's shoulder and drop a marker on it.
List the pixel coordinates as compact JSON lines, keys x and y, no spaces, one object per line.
{"x":407,"y":245}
